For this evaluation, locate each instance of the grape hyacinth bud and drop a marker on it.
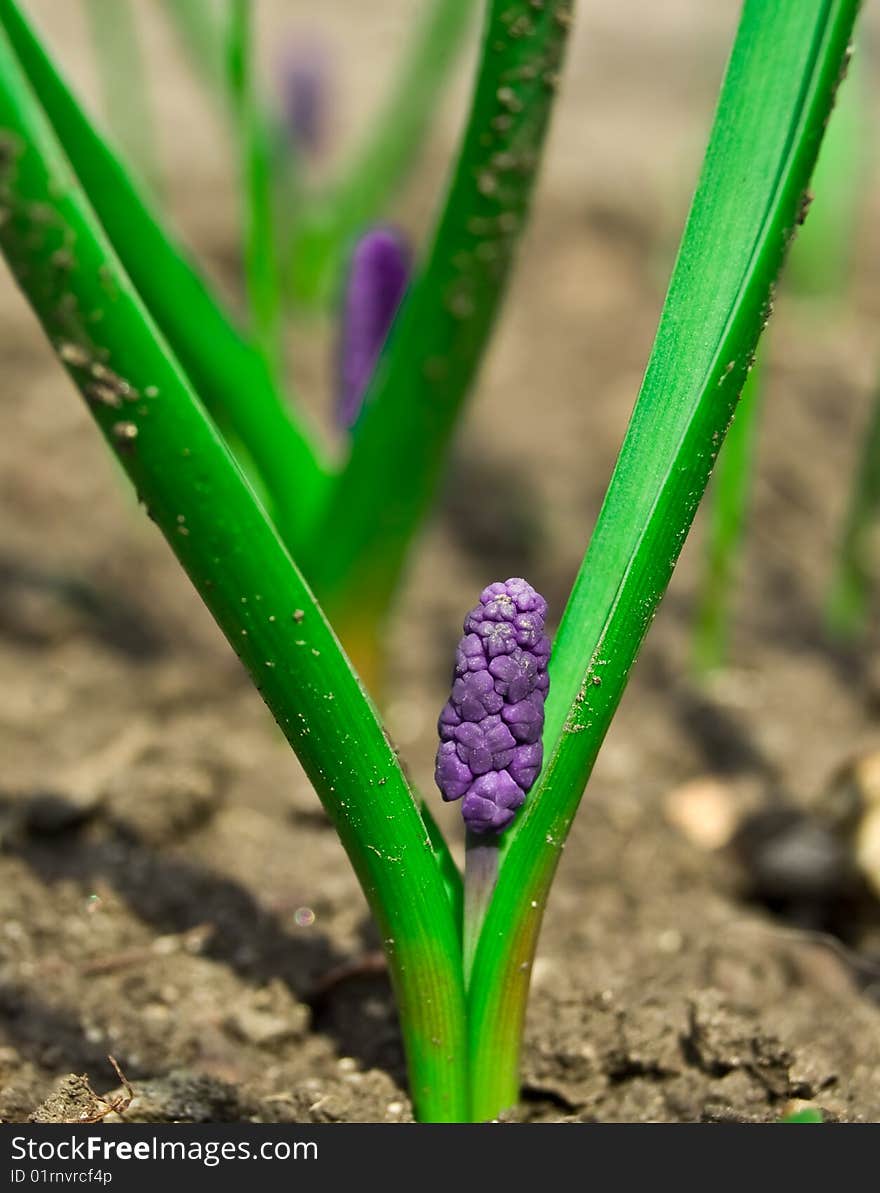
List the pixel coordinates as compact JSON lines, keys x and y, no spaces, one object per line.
{"x":302,"y":87}
{"x":490,"y":729}
{"x":377,"y":280}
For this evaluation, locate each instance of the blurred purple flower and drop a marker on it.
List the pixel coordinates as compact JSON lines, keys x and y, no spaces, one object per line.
{"x":377,"y":279}
{"x":378,"y":274}
{"x":303,"y":74}
{"x":490,"y":728}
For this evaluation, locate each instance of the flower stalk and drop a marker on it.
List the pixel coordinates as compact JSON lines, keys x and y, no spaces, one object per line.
{"x":480,"y":875}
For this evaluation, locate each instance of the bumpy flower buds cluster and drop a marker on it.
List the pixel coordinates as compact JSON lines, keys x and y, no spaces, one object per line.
{"x":377,"y":279}
{"x":490,"y":729}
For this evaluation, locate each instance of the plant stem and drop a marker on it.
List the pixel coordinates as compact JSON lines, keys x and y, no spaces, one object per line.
{"x":124,"y":83}
{"x":778,"y":91}
{"x":729,"y":503}
{"x":480,"y":876}
{"x":849,"y":598}
{"x":442,"y":329}
{"x":230,"y":376}
{"x":331,"y":219}
{"x":260,"y":242}
{"x":203,"y":505}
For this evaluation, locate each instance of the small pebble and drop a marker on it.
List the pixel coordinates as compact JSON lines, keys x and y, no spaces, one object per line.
{"x":703,"y":811}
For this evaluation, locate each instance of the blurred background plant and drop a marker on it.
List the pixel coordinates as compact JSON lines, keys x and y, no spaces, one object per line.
{"x":819,"y":280}
{"x":354,"y":522}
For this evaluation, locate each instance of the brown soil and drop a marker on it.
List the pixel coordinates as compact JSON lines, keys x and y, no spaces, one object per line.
{"x":170,"y":892}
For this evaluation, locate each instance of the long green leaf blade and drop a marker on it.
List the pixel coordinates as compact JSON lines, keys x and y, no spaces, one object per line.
{"x":201,"y":501}
{"x":778,"y":91}
{"x":230,"y":376}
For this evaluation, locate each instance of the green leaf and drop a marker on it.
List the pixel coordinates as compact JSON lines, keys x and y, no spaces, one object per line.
{"x":230,"y":376}
{"x":441,"y":333}
{"x":777,"y":94}
{"x":201,"y":501}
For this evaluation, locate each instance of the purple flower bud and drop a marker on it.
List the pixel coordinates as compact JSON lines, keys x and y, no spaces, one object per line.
{"x":469,"y":656}
{"x":302,"y":88}
{"x":377,"y":278}
{"x":526,"y":717}
{"x":474,"y":696}
{"x":449,"y":719}
{"x":490,"y":728}
{"x":451,"y":774}
{"x":525,"y":765}
{"x":491,"y":801}
{"x":515,"y":675}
